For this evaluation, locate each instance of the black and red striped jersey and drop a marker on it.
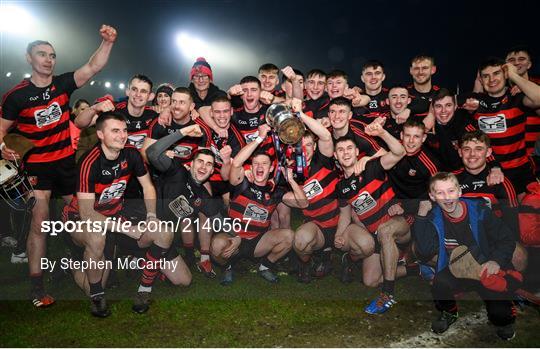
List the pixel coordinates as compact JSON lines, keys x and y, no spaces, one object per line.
{"x":320,"y":189}
{"x":234,"y":139}
{"x":184,"y":149}
{"x":370,"y":195}
{"x":532,"y":124}
{"x":420,"y":101}
{"x":503,"y":120}
{"x":248,"y":123}
{"x":42,"y":115}
{"x":107,"y":179}
{"x":444,"y":142}
{"x":501,"y":198}
{"x":377,"y":107}
{"x":410,"y":176}
{"x":138,"y":127}
{"x":317,"y":108}
{"x":254,"y":205}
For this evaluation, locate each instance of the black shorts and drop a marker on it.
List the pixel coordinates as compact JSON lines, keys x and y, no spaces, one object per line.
{"x":520,"y":177}
{"x":59,"y":176}
{"x":247,"y":247}
{"x":329,"y":236}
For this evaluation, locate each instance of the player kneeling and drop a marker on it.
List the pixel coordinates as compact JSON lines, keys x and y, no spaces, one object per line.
{"x":103,"y":175}
{"x":252,"y":203}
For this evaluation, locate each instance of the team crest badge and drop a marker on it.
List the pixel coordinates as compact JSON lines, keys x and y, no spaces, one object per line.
{"x":412,"y":172}
{"x":32,"y":180}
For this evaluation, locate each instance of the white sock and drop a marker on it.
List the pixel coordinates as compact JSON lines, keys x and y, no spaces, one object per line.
{"x":144,"y":289}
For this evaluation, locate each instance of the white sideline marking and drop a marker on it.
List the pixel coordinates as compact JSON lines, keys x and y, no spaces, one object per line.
{"x":464,"y":327}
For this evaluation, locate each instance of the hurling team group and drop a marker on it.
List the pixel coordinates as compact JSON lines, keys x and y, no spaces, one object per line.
{"x":386,"y":180}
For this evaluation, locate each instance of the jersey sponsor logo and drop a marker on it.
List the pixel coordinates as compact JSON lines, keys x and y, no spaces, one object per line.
{"x":313,"y":189}
{"x":115,"y":191}
{"x":256,"y":213}
{"x":373,"y":104}
{"x":492,"y":124}
{"x":363,"y":203}
{"x":180,"y":207}
{"x":49,"y":115}
{"x":136,"y":140}
{"x":183,"y":151}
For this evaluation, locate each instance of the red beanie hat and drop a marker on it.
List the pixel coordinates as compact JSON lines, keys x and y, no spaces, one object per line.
{"x":201,"y":66}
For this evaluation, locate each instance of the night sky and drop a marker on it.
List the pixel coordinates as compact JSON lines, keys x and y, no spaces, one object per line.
{"x":245,"y":34}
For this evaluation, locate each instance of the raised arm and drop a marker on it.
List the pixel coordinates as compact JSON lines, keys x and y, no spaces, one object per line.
{"x":325,"y":143}
{"x":236,"y":175}
{"x":99,"y":58}
{"x":529,"y":88}
{"x":396,"y":153}
{"x":297,"y":197}
{"x":156,"y":152}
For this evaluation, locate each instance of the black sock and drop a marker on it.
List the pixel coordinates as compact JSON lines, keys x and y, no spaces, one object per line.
{"x":36,"y":280}
{"x":388,"y":287}
{"x":412,"y":269}
{"x":267,"y":263}
{"x":326,"y":254}
{"x":96,"y":289}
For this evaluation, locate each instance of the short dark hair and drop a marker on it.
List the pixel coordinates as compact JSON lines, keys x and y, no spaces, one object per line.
{"x":184,"y":90}
{"x":398,"y":86}
{"x":474,"y":136}
{"x":143,"y":78}
{"x":345,"y":139}
{"x":33,"y":44}
{"x":316,"y":72}
{"x":421,"y":57}
{"x":413,"y":122}
{"x":269,"y":67}
{"x":204,"y":151}
{"x":309,"y":133}
{"x":340,"y":101}
{"x":111,"y":115}
{"x":442,"y":93}
{"x":519,"y":48}
{"x":336,"y":73}
{"x":221,"y":99}
{"x":372,"y":63}
{"x":250,"y":78}
{"x":491,"y":62}
{"x":260,"y":152}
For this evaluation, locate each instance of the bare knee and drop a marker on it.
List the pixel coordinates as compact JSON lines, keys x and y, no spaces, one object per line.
{"x":217,"y":246}
{"x":181,"y":280}
{"x":95,"y":243}
{"x":371,"y":281}
{"x":302,"y":239}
